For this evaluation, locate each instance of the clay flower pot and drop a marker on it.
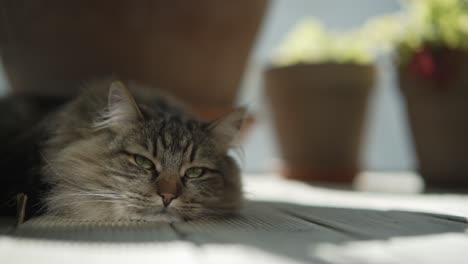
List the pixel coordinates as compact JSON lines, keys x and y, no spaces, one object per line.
{"x":318,"y":113}
{"x":195,"y":49}
{"x":435,"y":87}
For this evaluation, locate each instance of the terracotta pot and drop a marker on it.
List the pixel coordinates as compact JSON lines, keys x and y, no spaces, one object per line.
{"x":319,"y":112}
{"x":195,"y":49}
{"x":438,"y":116}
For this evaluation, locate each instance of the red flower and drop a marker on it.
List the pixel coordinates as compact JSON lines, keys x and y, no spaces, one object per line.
{"x":432,"y":64}
{"x":423,"y":63}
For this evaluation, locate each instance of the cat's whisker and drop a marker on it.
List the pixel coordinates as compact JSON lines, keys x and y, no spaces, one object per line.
{"x":112,"y":170}
{"x":76,"y":185}
{"x":72,"y":188}
{"x":84,"y":188}
{"x":49,"y":165}
{"x":97,"y":192}
{"x":140,"y":198}
{"x":44,"y":206}
{"x":54,"y":207}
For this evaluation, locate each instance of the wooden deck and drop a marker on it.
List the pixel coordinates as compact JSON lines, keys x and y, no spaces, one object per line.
{"x":283,"y":222}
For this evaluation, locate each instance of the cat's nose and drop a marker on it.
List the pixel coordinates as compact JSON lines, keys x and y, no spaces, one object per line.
{"x":169,"y":189}
{"x":167,"y":198}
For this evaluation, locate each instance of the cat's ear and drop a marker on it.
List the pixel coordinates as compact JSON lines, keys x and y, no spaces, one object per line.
{"x":226,"y":129}
{"x":121,"y":102}
{"x":121,"y":108}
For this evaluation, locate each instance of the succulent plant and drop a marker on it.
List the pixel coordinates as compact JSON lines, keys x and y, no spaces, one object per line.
{"x":311,"y":42}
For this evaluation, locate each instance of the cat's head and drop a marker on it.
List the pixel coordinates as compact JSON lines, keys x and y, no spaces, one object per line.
{"x":140,"y":163}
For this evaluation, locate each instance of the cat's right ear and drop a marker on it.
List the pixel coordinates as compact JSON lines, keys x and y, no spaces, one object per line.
{"x":226,"y":129}
{"x":121,"y":108}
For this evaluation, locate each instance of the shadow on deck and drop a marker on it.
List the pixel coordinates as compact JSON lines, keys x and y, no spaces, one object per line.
{"x":282,"y":229}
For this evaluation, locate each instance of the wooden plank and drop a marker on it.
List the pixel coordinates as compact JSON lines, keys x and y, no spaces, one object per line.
{"x":376,"y":224}
{"x":255,"y":216}
{"x":279,"y":232}
{"x":67,"y":229}
{"x":293,"y":232}
{"x":262,"y":227}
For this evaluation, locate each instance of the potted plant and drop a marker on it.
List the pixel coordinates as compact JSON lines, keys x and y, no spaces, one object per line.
{"x":432,"y":59}
{"x":318,"y":87}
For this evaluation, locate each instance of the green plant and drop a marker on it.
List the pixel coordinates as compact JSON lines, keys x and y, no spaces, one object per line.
{"x":310,"y":42}
{"x":428,"y":25}
{"x":437,"y":24}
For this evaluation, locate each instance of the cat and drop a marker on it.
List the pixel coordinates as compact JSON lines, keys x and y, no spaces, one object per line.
{"x":120,"y":152}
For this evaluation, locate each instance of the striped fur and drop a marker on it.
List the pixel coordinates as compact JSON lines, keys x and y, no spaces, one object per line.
{"x":88,"y":159}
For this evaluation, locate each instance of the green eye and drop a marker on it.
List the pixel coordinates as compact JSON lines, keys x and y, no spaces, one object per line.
{"x":144,"y":162}
{"x":194,"y":172}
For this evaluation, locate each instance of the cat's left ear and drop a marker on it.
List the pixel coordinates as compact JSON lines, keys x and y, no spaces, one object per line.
{"x":121,"y":102}
{"x":226,"y":129}
{"x":122,"y":108}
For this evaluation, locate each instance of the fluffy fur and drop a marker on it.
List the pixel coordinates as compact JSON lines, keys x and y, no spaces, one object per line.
{"x":89,"y":157}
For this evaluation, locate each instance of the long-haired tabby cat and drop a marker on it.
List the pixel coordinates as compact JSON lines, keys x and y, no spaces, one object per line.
{"x":107,"y":155}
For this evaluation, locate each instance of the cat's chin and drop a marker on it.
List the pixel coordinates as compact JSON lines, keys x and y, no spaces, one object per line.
{"x":163,"y":217}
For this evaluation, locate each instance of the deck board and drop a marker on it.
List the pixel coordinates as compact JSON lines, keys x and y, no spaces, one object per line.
{"x":309,"y":226}
{"x":376,"y":224}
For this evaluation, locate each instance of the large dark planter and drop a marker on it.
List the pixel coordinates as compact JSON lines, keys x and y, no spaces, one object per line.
{"x":438,"y":116}
{"x":195,"y":49}
{"x":319,"y":112}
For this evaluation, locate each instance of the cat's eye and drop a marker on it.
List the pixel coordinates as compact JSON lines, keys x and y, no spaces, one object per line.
{"x":194,"y":172}
{"x":143,"y":162}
